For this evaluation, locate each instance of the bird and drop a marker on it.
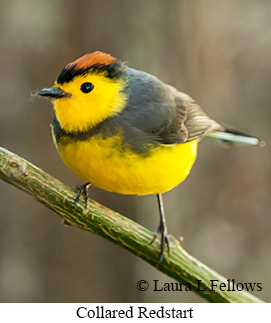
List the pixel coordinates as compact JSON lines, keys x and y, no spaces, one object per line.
{"x":125,"y":131}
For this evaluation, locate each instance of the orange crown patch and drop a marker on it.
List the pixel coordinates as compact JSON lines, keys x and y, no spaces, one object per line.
{"x":95,"y":58}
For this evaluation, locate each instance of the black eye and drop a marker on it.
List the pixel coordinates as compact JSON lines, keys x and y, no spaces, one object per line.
{"x":87,"y":87}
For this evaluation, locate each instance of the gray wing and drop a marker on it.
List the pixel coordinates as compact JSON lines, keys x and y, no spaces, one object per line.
{"x":198,"y":124}
{"x":157,"y":113}
{"x":192,"y":118}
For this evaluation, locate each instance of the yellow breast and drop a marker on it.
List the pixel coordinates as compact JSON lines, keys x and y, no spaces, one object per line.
{"x":107,"y":165}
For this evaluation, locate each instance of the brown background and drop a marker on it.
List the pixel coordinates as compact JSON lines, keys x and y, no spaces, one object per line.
{"x":218,"y":52}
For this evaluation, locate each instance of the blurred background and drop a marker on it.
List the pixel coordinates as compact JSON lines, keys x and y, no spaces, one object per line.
{"x":218,"y":52}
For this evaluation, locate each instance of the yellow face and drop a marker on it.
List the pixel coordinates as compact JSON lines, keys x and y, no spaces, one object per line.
{"x":93,"y":98}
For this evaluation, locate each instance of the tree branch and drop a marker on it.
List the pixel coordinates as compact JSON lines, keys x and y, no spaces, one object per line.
{"x":116,"y":228}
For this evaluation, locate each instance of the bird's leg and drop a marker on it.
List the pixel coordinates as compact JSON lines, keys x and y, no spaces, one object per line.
{"x":83,"y":189}
{"x":162,"y":228}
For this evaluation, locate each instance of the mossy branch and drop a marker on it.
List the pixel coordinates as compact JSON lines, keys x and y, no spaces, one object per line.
{"x":116,"y":228}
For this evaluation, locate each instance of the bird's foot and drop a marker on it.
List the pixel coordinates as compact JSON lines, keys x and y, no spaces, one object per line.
{"x":83,"y":189}
{"x":163,"y":241}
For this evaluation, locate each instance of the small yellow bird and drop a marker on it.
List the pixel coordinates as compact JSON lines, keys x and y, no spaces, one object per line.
{"x":125,"y":131}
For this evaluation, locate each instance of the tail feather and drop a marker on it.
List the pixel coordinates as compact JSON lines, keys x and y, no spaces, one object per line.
{"x":230,"y":137}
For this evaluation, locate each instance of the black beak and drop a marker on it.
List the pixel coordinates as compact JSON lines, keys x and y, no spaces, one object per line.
{"x":53,"y":92}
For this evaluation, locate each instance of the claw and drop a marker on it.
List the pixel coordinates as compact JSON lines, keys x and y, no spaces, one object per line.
{"x":163,"y":241}
{"x":83,"y":189}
